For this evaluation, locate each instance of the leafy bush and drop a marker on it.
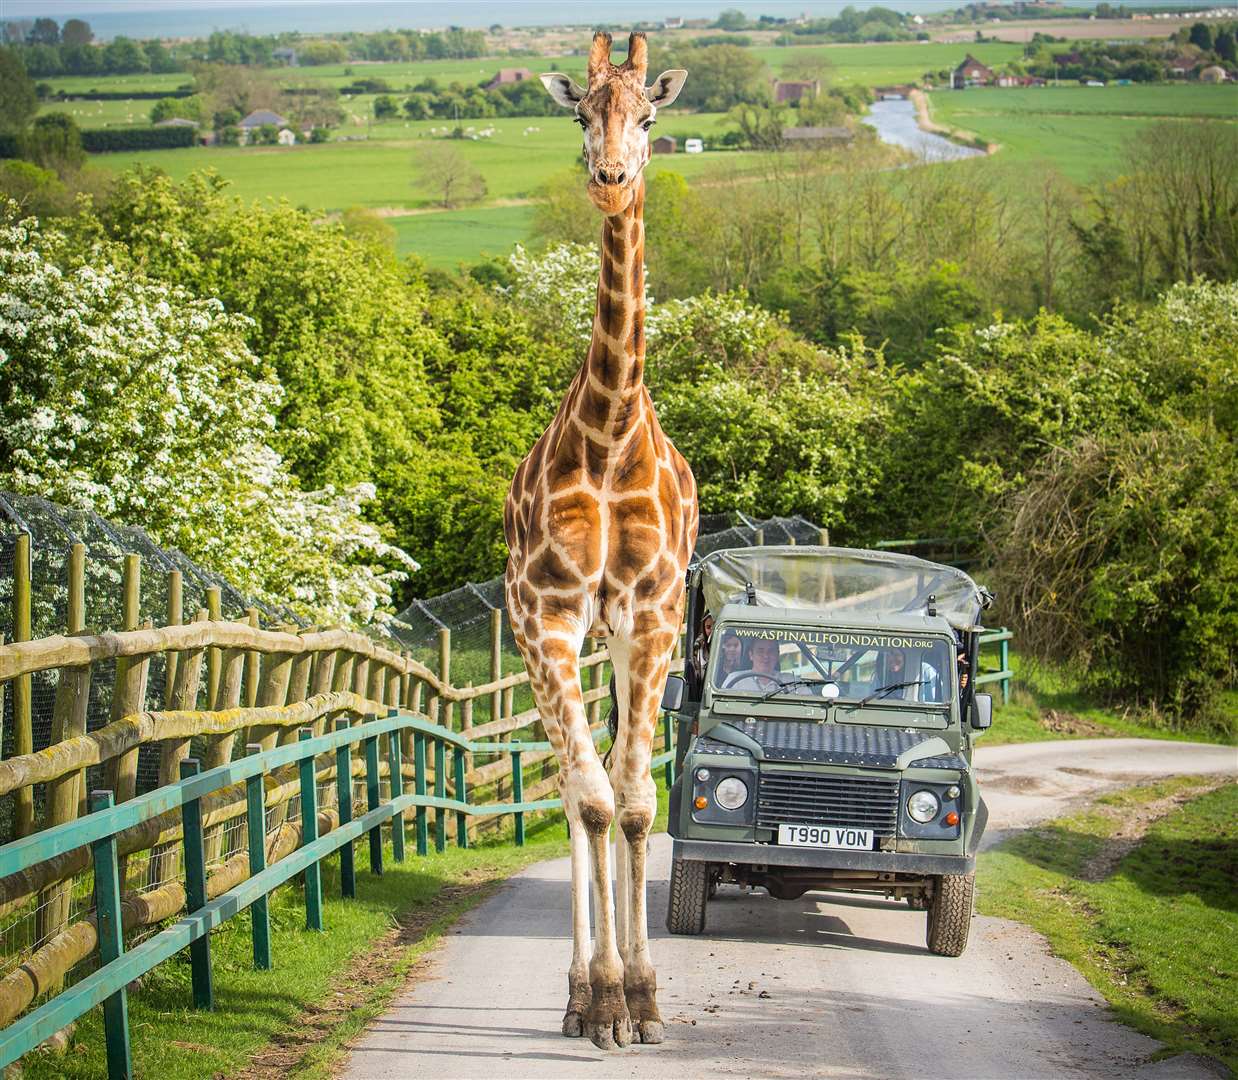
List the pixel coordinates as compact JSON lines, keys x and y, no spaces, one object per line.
{"x":1121,"y":557}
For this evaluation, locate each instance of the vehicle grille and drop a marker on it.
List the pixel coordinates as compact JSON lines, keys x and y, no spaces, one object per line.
{"x":850,"y":801}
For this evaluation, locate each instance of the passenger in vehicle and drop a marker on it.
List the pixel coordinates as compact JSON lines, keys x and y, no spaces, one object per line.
{"x":896,"y":669}
{"x":700,"y":648}
{"x":763,"y":659}
{"x":731,"y":659}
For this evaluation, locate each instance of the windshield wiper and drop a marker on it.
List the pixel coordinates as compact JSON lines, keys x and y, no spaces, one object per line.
{"x":789,"y":685}
{"x":886,"y":690}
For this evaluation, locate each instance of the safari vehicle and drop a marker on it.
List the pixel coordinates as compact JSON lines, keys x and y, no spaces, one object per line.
{"x":826,"y":734}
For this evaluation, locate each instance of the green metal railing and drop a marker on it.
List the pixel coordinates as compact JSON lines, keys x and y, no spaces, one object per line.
{"x":98,"y":829}
{"x":1000,"y":637}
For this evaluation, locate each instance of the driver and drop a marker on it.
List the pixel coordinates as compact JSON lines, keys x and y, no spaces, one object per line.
{"x":763,"y":659}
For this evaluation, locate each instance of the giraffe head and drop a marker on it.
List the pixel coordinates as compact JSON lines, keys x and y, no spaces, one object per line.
{"x":615,"y":112}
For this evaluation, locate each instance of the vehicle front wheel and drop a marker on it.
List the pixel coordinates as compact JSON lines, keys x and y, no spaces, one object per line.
{"x":685,"y":912}
{"x":949,"y":914}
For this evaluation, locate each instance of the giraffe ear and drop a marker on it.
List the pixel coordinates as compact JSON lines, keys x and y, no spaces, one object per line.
{"x":564,"y":90}
{"x":666,"y":87}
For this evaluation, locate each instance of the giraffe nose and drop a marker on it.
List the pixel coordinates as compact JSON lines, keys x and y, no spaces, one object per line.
{"x":610,"y":174}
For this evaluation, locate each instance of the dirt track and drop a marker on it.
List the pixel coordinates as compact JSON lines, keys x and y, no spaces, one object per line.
{"x":823,"y":986}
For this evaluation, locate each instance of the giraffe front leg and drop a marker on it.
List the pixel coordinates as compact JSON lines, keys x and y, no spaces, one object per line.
{"x":579,"y":992}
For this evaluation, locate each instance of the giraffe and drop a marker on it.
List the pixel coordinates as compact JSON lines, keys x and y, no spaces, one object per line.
{"x":600,"y":522}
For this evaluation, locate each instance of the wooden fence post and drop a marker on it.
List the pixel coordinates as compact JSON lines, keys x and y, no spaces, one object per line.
{"x":373,"y":797}
{"x":111,"y":943}
{"x":195,"y":891}
{"x":256,"y":838}
{"x":176,"y":616}
{"x":343,"y":796}
{"x":214,"y":657}
{"x":129,"y":694}
{"x":23,"y":729}
{"x":444,"y":672}
{"x":252,"y":662}
{"x":68,"y":721}
{"x":309,"y":833}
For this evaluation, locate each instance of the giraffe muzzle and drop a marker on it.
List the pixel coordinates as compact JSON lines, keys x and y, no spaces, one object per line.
{"x":610,"y":175}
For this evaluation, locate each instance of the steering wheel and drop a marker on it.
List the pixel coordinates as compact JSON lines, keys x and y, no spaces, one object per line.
{"x":752,"y":673}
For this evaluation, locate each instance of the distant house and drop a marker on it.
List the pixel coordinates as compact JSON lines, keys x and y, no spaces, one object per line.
{"x":1019,"y":80}
{"x":796,"y":90}
{"x":1213,"y":74}
{"x":817,"y":136}
{"x":971,"y":72}
{"x":665,"y":144}
{"x":287,"y":57}
{"x":261,"y":117}
{"x":286,"y":137}
{"x":672,"y":22}
{"x":507,"y":77}
{"x":1183,"y":65}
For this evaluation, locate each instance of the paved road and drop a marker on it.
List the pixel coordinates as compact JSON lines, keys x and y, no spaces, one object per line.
{"x":822,"y":986}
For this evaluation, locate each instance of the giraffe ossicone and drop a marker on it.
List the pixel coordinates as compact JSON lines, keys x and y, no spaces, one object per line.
{"x":600,"y":521}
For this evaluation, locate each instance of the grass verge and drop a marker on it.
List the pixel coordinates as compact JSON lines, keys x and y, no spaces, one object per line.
{"x":1047,"y":703}
{"x":1156,"y":930}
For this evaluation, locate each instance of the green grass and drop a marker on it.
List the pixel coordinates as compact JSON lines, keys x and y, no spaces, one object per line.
{"x":462,"y":236}
{"x":1158,"y":937}
{"x":885,"y":64}
{"x":1049,"y":703}
{"x":1079,"y":130}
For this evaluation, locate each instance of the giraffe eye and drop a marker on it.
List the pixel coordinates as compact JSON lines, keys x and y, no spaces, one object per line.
{"x":647,"y":124}
{"x":581,"y":121}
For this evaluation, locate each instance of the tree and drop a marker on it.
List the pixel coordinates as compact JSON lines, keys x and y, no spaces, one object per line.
{"x":123,"y":56}
{"x":143,"y":403}
{"x":1227,"y":45}
{"x":1201,"y":36}
{"x":18,"y":99}
{"x":44,"y":32}
{"x":385,"y":107}
{"x":362,"y":223}
{"x":189,"y":108}
{"x":731,"y":19}
{"x":76,"y":32}
{"x":38,"y":192}
{"x":55,"y":142}
{"x":448,"y":176}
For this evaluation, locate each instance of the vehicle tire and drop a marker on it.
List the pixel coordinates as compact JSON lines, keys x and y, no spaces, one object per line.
{"x":685,"y":912}
{"x":949,"y":914}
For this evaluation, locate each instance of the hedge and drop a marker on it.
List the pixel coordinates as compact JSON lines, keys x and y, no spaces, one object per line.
{"x":123,"y":95}
{"x":103,"y":140}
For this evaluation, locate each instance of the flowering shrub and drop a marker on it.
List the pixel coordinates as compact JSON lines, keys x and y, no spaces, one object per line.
{"x":143,"y":403}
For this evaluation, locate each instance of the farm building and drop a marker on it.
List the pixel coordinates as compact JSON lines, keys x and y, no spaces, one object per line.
{"x":810,"y":137}
{"x":507,"y":77}
{"x":795,"y":90}
{"x":286,"y":138}
{"x":971,"y":72}
{"x":1213,"y":74}
{"x":260,"y":117}
{"x":288,"y":57}
{"x":665,"y":144}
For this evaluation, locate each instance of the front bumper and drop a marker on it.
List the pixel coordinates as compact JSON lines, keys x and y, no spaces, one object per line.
{"x":889,"y":862}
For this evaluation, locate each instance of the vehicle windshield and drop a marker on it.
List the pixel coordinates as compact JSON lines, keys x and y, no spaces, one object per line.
{"x":786,"y":662}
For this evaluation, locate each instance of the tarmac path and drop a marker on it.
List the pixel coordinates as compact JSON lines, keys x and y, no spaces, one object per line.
{"x":827,"y":985}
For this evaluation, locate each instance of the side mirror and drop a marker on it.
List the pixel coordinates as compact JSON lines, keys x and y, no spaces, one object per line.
{"x":982,"y":711}
{"x":672,"y":695}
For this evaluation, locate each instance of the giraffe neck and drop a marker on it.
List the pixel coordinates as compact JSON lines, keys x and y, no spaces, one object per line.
{"x":615,"y":366}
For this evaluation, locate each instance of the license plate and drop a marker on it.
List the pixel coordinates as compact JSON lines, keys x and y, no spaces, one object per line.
{"x":826,"y":836}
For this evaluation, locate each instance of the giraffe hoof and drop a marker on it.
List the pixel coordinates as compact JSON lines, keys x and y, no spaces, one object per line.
{"x":573,"y":1024}
{"x":650,"y":1031}
{"x":610,"y":1034}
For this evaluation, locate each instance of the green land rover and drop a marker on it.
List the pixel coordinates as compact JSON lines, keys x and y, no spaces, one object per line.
{"x":826,"y":725}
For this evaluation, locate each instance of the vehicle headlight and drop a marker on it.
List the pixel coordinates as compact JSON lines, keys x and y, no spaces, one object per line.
{"x":731,"y":793}
{"x":923,"y":807}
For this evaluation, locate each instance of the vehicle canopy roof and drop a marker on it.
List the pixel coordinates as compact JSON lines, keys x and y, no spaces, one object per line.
{"x":841,"y":582}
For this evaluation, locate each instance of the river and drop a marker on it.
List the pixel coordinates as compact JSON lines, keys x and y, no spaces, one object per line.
{"x":894,"y":120}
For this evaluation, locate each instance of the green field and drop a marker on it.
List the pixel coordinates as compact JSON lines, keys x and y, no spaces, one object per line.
{"x":1079,"y":130}
{"x":462,"y":236}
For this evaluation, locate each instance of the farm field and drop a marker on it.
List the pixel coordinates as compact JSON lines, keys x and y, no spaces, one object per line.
{"x":379,"y":171}
{"x":1079,"y":130}
{"x":452,"y":237}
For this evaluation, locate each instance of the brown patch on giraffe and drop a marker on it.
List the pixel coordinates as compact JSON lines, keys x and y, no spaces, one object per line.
{"x":635,"y":823}
{"x":636,"y":342}
{"x":634,"y":471}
